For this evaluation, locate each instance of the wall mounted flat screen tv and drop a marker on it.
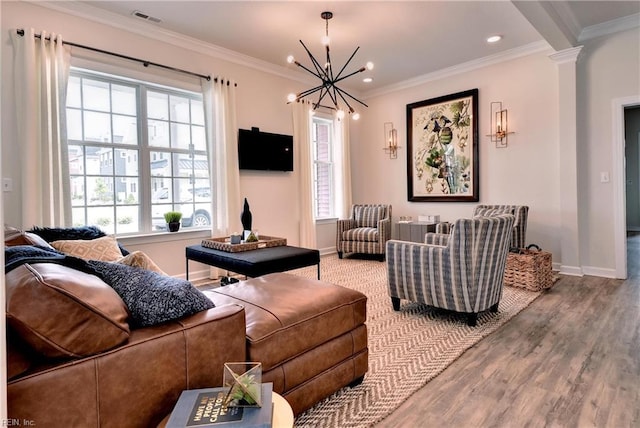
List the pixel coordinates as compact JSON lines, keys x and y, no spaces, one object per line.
{"x":264,"y":151}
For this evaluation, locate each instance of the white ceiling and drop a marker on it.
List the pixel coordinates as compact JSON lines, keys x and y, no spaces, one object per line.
{"x":405,"y":40}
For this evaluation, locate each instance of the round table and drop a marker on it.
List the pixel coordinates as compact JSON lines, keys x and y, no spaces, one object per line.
{"x":282,"y":413}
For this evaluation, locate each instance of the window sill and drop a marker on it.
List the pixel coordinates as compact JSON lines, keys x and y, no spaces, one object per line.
{"x":326,"y":220}
{"x":153,"y":238}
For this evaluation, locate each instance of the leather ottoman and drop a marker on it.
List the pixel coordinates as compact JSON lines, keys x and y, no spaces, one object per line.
{"x":309,"y":335}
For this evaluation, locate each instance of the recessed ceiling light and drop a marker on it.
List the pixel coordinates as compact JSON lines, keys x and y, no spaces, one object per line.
{"x":367,"y":80}
{"x":494,"y":39}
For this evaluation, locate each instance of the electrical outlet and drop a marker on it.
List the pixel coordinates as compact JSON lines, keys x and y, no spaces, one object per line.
{"x":7,"y":185}
{"x":604,"y":177}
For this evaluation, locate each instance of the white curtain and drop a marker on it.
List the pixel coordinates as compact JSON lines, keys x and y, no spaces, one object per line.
{"x":219,"y":97}
{"x":302,"y":145}
{"x":344,"y":197}
{"x":41,"y":75}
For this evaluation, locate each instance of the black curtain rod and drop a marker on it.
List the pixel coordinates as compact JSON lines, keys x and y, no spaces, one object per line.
{"x":144,"y":62}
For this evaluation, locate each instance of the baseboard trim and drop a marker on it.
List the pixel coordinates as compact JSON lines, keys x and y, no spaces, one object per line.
{"x":568,"y":270}
{"x":328,"y":250}
{"x":602,"y":272}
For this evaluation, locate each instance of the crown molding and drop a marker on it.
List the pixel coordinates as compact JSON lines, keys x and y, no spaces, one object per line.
{"x":568,"y":18}
{"x":145,"y":29}
{"x":610,"y":27}
{"x":566,"y":55}
{"x":531,"y":48}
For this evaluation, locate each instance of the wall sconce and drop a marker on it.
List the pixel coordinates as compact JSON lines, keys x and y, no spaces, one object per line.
{"x":390,"y":140}
{"x":499,"y":125}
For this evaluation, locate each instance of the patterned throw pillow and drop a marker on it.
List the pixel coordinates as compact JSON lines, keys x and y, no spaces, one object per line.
{"x":105,"y":249}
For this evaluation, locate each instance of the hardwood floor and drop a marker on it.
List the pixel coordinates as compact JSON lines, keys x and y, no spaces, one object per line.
{"x":571,"y":359}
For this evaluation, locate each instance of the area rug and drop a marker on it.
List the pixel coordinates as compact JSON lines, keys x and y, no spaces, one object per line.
{"x":406,"y":349}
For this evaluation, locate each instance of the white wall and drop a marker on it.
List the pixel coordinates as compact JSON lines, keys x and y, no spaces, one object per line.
{"x":527,"y":172}
{"x":608,"y":68}
{"x":524,"y":173}
{"x":261,"y":99}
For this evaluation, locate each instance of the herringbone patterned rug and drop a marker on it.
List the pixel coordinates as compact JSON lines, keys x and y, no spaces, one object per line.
{"x":406,"y":349}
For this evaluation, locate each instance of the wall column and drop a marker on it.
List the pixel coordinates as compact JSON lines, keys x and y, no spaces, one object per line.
{"x":568,"y":158}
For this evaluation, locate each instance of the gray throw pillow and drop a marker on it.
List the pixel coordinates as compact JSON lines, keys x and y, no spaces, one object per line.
{"x":151,"y":298}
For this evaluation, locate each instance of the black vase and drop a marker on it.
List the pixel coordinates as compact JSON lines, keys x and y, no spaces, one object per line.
{"x":245,"y":217}
{"x":174,"y":226}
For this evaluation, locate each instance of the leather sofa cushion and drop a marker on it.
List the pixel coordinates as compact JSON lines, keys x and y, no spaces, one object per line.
{"x":287,"y":315}
{"x":18,"y":355}
{"x":62,"y":312}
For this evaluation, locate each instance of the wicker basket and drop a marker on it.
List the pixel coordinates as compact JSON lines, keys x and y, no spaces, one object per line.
{"x":224,"y":244}
{"x":530,"y":269}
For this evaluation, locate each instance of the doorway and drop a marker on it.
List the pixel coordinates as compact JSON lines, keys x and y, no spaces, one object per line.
{"x":620,"y":107}
{"x":632,"y":187}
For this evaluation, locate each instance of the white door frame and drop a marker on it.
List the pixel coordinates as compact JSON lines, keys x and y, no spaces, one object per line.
{"x":619,"y":188}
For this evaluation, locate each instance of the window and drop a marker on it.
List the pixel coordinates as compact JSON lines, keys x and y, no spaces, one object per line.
{"x":136,"y":151}
{"x":323,"y":167}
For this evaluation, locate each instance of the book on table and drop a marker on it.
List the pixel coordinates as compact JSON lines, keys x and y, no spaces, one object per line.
{"x":205,"y":408}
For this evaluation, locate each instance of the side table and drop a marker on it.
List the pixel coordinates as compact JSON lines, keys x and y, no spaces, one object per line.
{"x":414,"y":231}
{"x":282,"y":413}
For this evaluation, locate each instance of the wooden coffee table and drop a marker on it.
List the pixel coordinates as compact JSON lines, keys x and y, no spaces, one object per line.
{"x":255,"y":263}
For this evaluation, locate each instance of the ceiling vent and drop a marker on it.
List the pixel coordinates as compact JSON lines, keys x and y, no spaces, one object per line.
{"x":146,"y":17}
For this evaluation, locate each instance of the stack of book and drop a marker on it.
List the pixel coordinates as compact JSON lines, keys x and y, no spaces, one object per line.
{"x":205,"y":408}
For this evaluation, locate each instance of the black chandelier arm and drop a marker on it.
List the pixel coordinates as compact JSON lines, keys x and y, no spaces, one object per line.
{"x":346,"y":64}
{"x":310,"y":91}
{"x":351,"y":96}
{"x":319,"y":69}
{"x":340,"y":91}
{"x":308,"y":70}
{"x":360,"y":70}
{"x":333,"y":96}
{"x":323,"y":93}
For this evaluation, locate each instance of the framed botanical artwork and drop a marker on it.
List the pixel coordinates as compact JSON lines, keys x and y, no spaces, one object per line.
{"x":442,"y":148}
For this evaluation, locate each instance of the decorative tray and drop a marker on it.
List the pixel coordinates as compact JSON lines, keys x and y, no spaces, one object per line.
{"x":224,"y":244}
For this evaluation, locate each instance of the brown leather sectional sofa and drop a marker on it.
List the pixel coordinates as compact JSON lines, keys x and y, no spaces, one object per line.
{"x":74,"y":360}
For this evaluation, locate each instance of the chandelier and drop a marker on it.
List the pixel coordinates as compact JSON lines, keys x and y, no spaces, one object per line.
{"x":329,"y":81}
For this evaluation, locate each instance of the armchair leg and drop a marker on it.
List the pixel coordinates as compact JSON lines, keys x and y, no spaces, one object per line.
{"x":472,"y":319}
{"x":382,"y":258}
{"x":340,"y":255}
{"x":494,"y":308}
{"x":395,"y":301}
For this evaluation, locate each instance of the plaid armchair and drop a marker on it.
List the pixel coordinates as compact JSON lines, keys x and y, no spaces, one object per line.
{"x":462,"y":271}
{"x":519,"y":232}
{"x":367,"y":231}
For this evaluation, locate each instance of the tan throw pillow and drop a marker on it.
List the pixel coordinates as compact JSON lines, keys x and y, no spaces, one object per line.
{"x":104,"y":249}
{"x":140,"y":260}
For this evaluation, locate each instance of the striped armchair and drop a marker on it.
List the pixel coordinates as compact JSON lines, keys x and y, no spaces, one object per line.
{"x":519,"y":232}
{"x":367,"y":231}
{"x":462,"y":271}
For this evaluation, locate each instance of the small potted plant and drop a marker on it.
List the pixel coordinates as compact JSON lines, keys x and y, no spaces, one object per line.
{"x":173,"y":220}
{"x":244,"y":381}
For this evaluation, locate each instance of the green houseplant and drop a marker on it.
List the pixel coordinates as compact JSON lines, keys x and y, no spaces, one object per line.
{"x":173,"y":220}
